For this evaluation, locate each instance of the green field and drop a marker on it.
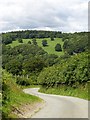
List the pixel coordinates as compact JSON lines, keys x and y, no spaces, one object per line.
{"x":15,"y":43}
{"x":50,"y":49}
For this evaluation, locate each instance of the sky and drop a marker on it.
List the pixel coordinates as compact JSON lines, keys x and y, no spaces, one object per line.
{"x":53,"y":15}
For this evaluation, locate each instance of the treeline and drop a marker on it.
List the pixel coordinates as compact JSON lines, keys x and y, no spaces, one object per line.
{"x":30,"y":34}
{"x":11,"y":36}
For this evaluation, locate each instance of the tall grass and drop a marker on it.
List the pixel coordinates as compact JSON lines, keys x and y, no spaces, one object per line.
{"x":14,"y":97}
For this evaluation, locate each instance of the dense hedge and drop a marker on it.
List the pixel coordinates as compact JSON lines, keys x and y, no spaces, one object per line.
{"x":72,"y":72}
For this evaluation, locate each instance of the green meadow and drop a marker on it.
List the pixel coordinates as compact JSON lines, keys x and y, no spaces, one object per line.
{"x":50,"y":49}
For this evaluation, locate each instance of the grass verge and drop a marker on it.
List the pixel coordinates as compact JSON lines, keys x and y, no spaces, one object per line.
{"x":80,"y":91}
{"x":30,"y":86}
{"x":14,"y":98}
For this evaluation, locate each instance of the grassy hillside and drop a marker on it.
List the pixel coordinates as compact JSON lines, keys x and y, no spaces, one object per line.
{"x":13,"y":97}
{"x":14,"y":43}
{"x":50,"y":49}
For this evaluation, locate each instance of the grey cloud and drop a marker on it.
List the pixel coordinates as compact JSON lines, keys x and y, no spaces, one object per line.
{"x":63,"y":15}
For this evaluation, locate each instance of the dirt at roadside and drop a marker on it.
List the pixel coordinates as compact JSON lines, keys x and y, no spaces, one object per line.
{"x":28,"y":110}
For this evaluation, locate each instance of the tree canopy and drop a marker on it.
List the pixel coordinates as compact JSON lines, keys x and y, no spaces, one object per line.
{"x":58,"y":47}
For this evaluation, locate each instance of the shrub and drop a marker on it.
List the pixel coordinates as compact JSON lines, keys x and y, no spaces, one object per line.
{"x":29,"y":42}
{"x":58,"y":47}
{"x":20,"y":40}
{"x":44,"y":43}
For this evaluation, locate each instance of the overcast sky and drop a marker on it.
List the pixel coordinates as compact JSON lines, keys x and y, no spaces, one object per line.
{"x":60,"y":15}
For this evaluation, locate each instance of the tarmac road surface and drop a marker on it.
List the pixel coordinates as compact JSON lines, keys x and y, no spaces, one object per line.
{"x":57,"y":106}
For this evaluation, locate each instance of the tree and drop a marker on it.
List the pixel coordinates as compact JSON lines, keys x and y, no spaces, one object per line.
{"x":20,"y":40}
{"x":58,"y":47}
{"x":29,"y":42}
{"x":14,"y":66}
{"x":33,"y":64}
{"x":75,"y":44}
{"x":44,"y":43}
{"x":6,"y":39}
{"x":52,"y":38}
{"x":34,"y":41}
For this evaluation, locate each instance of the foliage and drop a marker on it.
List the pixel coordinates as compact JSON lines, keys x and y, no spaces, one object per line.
{"x":52,"y":38}
{"x":27,"y":80}
{"x":14,"y":66}
{"x":44,"y":43}
{"x":28,"y":34}
{"x":29,"y":42}
{"x":22,"y":81}
{"x":34,"y":41}
{"x":50,"y":60}
{"x":20,"y":40}
{"x":26,"y":59}
{"x":12,"y":100}
{"x":71,"y":72}
{"x":33,"y":64}
{"x":58,"y":47}
{"x":81,"y":91}
{"x":7,"y":38}
{"x":76,"y":43}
